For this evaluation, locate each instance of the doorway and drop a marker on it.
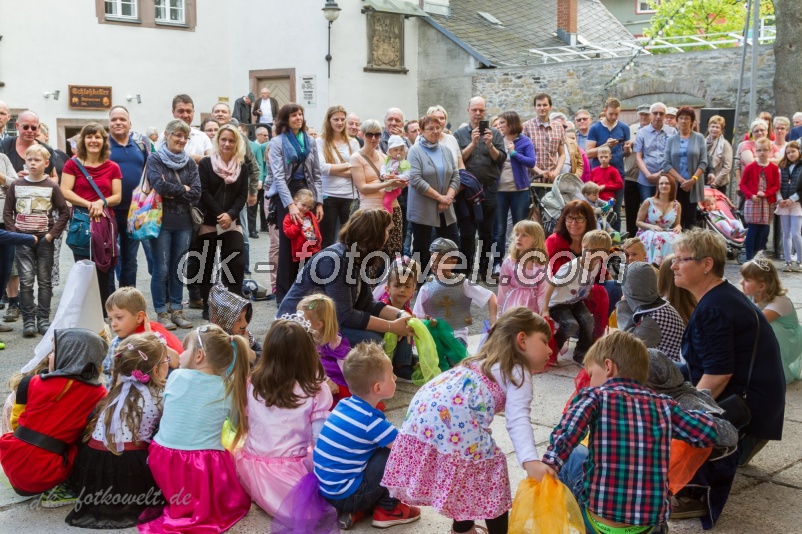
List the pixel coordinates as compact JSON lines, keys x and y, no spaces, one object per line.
{"x":69,"y":128}
{"x":281,"y":83}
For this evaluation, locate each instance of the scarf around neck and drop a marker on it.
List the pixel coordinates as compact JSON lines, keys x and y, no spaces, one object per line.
{"x":293,"y":151}
{"x":426,"y":144}
{"x":171,"y":160}
{"x":229,"y":172}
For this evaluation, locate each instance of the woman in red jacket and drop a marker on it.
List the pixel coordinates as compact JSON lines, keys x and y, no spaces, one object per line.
{"x":304,"y":235}
{"x":50,"y":415}
{"x":759,"y":183}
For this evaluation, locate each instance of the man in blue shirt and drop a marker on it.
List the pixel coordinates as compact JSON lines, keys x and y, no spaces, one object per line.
{"x":609,"y":131}
{"x":650,"y":145}
{"x":130,"y":154}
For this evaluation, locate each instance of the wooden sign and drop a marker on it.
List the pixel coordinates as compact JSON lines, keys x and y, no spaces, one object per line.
{"x":89,"y":97}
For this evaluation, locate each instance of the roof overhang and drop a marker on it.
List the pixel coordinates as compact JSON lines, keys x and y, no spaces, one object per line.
{"x":402,"y":7}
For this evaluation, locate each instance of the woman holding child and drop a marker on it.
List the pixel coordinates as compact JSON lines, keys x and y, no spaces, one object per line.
{"x":338,"y":271}
{"x":718,"y":344}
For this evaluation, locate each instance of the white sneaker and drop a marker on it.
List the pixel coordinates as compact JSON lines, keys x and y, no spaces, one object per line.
{"x":795,"y":267}
{"x":496,"y":271}
{"x":788,"y":268}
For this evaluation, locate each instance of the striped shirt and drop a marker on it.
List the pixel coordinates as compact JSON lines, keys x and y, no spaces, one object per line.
{"x":630,"y":436}
{"x":350,"y":436}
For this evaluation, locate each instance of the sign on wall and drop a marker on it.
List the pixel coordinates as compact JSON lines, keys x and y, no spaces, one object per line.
{"x":309,"y":90}
{"x":89,"y":97}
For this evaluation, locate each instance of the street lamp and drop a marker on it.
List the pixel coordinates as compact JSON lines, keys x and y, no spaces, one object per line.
{"x":331,"y":11}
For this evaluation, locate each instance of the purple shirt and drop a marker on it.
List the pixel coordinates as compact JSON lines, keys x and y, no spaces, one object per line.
{"x":329,"y":358}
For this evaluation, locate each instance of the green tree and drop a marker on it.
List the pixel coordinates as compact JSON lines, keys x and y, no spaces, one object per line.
{"x":676,"y":18}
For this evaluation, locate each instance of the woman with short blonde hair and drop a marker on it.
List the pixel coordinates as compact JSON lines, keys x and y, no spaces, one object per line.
{"x":719,"y":153}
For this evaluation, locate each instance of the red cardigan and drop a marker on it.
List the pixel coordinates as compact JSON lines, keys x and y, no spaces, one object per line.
{"x":751,"y":178}
{"x":301,"y":248}
{"x":610,"y":178}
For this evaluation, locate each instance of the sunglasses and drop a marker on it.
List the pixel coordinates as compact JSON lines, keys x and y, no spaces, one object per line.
{"x":372,"y":135}
{"x":27,"y":127}
{"x":204,"y":329}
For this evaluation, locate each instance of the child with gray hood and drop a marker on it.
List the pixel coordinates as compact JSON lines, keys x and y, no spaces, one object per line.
{"x":233,"y":313}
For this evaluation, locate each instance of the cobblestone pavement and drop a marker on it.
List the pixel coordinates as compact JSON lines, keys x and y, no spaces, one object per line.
{"x":765,"y":497}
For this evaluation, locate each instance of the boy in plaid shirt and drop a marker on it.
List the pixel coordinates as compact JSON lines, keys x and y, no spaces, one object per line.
{"x":630,"y":429}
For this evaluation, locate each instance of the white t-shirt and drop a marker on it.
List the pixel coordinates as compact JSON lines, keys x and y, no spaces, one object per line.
{"x":781,"y":305}
{"x":478,"y":295}
{"x":450,"y":142}
{"x":267,"y":113}
{"x":572,"y":283}
{"x":336,"y":186}
{"x":198,"y":143}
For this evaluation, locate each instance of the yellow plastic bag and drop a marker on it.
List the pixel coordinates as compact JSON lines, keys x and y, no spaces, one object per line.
{"x":546,"y":507}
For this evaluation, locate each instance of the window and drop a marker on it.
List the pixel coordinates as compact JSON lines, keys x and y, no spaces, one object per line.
{"x":171,"y":11}
{"x":124,"y":9}
{"x":645,"y":6}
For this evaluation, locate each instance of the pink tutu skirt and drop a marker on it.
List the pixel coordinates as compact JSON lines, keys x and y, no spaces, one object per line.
{"x":269,"y":480}
{"x":201,"y":489}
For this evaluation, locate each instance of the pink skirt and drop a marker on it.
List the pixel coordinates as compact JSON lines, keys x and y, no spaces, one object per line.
{"x":201,"y":489}
{"x":269,"y":480}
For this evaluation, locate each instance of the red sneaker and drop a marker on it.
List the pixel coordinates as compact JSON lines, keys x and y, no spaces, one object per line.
{"x":347,"y":521}
{"x":399,"y":515}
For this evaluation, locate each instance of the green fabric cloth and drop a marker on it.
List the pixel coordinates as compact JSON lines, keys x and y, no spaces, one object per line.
{"x":789,"y":335}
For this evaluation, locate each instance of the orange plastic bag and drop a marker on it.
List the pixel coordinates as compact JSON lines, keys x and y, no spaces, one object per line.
{"x":685,"y":460}
{"x":546,"y":507}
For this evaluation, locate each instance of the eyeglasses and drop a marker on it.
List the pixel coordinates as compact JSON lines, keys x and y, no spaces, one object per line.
{"x":179,"y":136}
{"x":431,"y":129}
{"x":27,"y":127}
{"x":658,"y":113}
{"x":570,"y":219}
{"x":582,"y":119}
{"x":683,"y":260}
{"x":372,"y":135}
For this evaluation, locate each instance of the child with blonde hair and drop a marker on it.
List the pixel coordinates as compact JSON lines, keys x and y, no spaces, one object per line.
{"x":731,"y":227}
{"x":760,"y":184}
{"x":762,"y":283}
{"x":523,"y":279}
{"x":113,"y":461}
{"x":634,"y":250}
{"x":445,"y":455}
{"x":331,"y":346}
{"x":304,"y":235}
{"x":395,"y":167}
{"x":187,"y":452}
{"x":288,"y":402}
{"x":629,"y":428}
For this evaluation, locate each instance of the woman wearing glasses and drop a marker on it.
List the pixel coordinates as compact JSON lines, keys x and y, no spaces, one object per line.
{"x":719,"y":341}
{"x":174,"y":175}
{"x":365,"y":165}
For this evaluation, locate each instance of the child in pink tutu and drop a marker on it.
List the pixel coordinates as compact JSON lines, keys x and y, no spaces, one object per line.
{"x":187,"y":459}
{"x":332,"y":348}
{"x":288,"y":402}
{"x":445,"y":456}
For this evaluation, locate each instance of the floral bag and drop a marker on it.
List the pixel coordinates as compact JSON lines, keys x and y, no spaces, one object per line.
{"x":145,"y":213}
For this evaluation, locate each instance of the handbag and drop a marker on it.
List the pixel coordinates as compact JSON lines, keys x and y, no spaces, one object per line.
{"x":145,"y":213}
{"x":79,"y":236}
{"x":736,"y":411}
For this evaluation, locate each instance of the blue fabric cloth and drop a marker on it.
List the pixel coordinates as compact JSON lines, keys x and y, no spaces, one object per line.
{"x":508,"y":202}
{"x":171,"y":160}
{"x":522,"y":161}
{"x":131,"y":159}
{"x":195,"y":408}
{"x":296,"y":149}
{"x":600,"y":134}
{"x":351,"y":434}
{"x":683,"y":159}
{"x":794,"y":134}
{"x":166,"y":282}
{"x":437,"y":158}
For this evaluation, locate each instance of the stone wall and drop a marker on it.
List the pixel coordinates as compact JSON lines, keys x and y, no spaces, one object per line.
{"x":700,"y":79}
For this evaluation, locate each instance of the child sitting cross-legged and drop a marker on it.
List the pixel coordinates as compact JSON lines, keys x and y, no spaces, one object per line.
{"x":233,"y":314}
{"x":397,"y":291}
{"x":354,"y":444}
{"x":446,"y":296}
{"x":629,"y":429}
{"x":570,"y":286}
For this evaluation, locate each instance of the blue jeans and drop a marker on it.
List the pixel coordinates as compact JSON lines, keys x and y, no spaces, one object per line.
{"x":614,"y":292}
{"x":646,"y":191}
{"x":516,"y":202}
{"x":7,"y":253}
{"x":129,"y":248}
{"x":757,"y":235}
{"x":370,"y":492}
{"x":403,"y":353}
{"x":167,"y":281}
{"x":573,"y":474}
{"x":146,"y":246}
{"x":619,"y":200}
{"x":355,"y":336}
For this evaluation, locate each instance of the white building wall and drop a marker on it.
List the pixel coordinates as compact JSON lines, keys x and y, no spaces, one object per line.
{"x":50,"y":44}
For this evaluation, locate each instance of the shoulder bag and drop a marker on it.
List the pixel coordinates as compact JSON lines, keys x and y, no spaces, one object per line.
{"x":79,"y":237}
{"x":736,"y":411}
{"x":145,"y":213}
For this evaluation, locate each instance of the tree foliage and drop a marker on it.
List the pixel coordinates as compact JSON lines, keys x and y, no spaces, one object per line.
{"x":676,"y":18}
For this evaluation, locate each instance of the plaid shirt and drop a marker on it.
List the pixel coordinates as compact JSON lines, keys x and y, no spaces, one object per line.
{"x":547,"y":138}
{"x":630,"y":436}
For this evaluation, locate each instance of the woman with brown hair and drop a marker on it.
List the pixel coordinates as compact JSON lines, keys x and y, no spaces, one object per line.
{"x":334,"y":150}
{"x":719,"y":154}
{"x":92,"y":160}
{"x":681,"y":299}
{"x":338,"y":271}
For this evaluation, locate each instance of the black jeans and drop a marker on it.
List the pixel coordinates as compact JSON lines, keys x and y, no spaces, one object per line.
{"x":102,"y":280}
{"x":573,"y":319}
{"x":468,"y":228}
{"x":233,"y":270}
{"x":632,"y":205}
{"x":422,"y":239}
{"x":287,"y":269}
{"x":336,"y":212}
{"x":688,"y":209}
{"x":370,"y":492}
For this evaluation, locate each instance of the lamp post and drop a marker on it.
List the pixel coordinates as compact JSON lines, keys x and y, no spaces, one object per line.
{"x":331,"y":11}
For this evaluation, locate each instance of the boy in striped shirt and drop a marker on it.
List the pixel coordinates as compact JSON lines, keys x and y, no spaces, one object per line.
{"x":354,"y":444}
{"x":621,"y":478}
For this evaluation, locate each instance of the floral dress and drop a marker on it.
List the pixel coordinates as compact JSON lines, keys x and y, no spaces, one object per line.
{"x":659,"y":244}
{"x":445,"y":456}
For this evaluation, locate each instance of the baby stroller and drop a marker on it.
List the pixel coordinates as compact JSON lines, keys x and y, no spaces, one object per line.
{"x":715,"y":220}
{"x":566,"y":187}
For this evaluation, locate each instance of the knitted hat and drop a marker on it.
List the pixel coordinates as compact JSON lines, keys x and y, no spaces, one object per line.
{"x":640,"y":285}
{"x":394,"y":141}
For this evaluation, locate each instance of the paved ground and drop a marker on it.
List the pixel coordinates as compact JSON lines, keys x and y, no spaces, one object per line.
{"x":765,"y":498}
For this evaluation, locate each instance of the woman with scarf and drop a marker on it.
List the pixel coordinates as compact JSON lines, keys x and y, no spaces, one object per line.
{"x":92,"y":159}
{"x":174,"y":176}
{"x":294,"y":165}
{"x":719,"y":154}
{"x":224,"y":191}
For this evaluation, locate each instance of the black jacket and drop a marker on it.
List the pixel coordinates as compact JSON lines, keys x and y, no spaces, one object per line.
{"x":218,"y":197}
{"x":242,"y":111}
